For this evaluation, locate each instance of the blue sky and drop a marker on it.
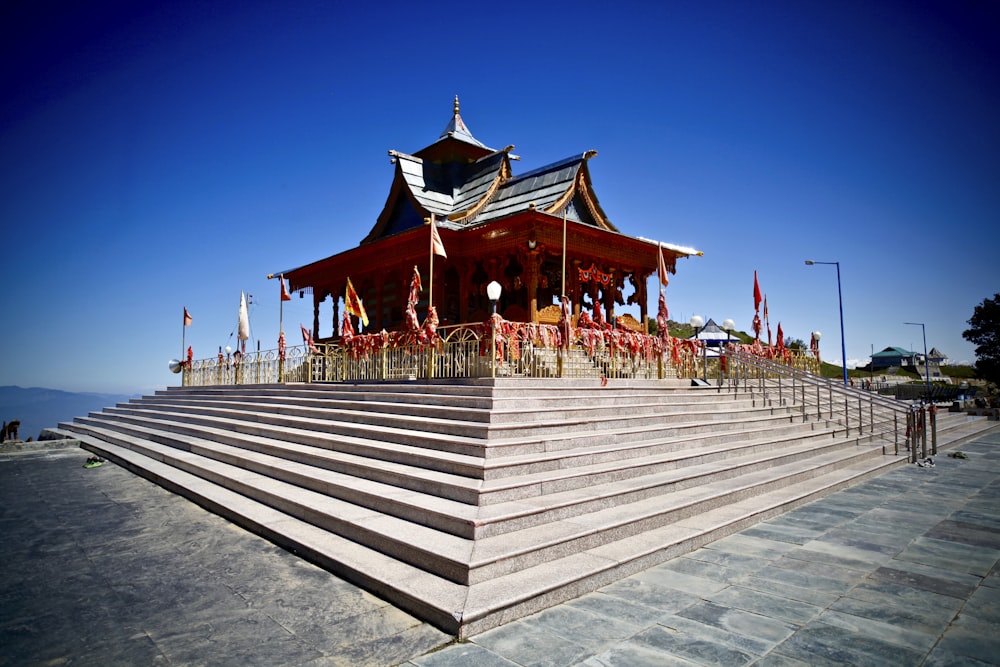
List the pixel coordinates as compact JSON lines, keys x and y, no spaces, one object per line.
{"x":158,"y":156}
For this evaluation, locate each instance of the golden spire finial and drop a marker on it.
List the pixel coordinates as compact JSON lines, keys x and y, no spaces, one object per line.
{"x":456,"y":105}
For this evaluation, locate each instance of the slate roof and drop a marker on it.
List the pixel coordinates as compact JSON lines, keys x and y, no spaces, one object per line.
{"x":455,"y":181}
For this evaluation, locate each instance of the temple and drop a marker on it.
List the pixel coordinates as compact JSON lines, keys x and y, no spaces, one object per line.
{"x":520,"y":231}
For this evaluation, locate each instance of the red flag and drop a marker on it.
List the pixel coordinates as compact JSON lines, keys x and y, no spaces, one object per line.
{"x":437,"y":247}
{"x":308,"y":340}
{"x":187,"y":317}
{"x":353,"y":305}
{"x":781,"y":337}
{"x":756,"y":293}
{"x":662,"y":268}
{"x":285,"y":296}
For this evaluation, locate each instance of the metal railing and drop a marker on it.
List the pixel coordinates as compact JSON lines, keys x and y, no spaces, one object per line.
{"x":859,"y":412}
{"x":519,"y":349}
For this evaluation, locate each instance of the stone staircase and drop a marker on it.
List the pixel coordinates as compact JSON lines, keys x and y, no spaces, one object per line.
{"x":473,"y":503}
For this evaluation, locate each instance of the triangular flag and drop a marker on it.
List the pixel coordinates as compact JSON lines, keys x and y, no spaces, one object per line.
{"x":285,"y":296}
{"x":353,"y":305}
{"x":756,"y":293}
{"x":187,"y":317}
{"x":437,"y":247}
{"x":662,"y":268}
{"x":308,"y":340}
{"x":243,"y":331}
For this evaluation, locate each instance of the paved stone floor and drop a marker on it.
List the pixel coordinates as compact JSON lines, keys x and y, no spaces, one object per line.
{"x":101,"y":567}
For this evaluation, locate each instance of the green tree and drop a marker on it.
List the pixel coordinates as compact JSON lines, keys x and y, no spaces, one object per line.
{"x":984,"y":333}
{"x":794,"y":343}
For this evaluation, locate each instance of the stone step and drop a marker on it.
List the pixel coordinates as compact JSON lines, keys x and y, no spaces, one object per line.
{"x":525,"y":534}
{"x":515,"y":503}
{"x":504,"y":459}
{"x":500,"y":410}
{"x":469,"y":531}
{"x":469,"y":609}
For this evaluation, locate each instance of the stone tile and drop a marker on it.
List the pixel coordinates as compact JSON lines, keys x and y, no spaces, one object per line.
{"x":951,"y":556}
{"x":921,"y":606}
{"x":712,"y":571}
{"x":670,"y":576}
{"x":737,"y":621}
{"x":633,"y":654}
{"x":737,"y":562}
{"x":245,"y":639}
{"x":650,"y":592}
{"x":750,"y":546}
{"x":582,"y":627}
{"x":943,"y":657}
{"x":633,"y":613}
{"x":926,"y":579}
{"x":983,"y":606}
{"x":791,"y":572}
{"x":819,"y":551}
{"x":765,"y":604}
{"x":523,"y":643}
{"x":824,"y":644}
{"x":781,"y":533}
{"x":963,"y":532}
{"x":700,"y":650}
{"x":461,"y":655}
{"x":982,"y":520}
{"x":872,"y":624}
{"x":798,"y":563}
{"x":773,"y":659}
{"x":982,"y":644}
{"x":699,"y":630}
{"x":798,"y":593}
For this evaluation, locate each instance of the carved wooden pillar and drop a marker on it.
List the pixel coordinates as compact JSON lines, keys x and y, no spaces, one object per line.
{"x":464,"y":289}
{"x":532,"y":269}
{"x":317,"y":299}
{"x":642,"y":294}
{"x":573,"y":283}
{"x":336,"y":317}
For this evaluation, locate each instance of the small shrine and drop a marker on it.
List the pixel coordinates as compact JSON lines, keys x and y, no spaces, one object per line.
{"x":539,"y":235}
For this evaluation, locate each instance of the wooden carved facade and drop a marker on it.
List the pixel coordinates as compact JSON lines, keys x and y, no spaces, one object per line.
{"x":494,"y":226}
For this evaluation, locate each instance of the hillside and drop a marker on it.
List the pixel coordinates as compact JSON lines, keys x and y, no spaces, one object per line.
{"x":39,"y":408}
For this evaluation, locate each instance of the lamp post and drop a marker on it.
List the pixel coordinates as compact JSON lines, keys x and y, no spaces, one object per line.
{"x":728,"y":325}
{"x":493,"y":291}
{"x":840,"y":299}
{"x":698,"y":323}
{"x":927,"y":368}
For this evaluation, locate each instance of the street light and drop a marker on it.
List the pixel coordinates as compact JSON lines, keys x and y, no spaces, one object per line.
{"x":840,"y":299}
{"x":698,"y":323}
{"x":728,"y":325}
{"x":493,"y":293}
{"x":927,"y":368}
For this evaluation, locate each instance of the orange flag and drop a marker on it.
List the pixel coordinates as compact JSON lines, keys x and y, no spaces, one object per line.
{"x":353,"y":305}
{"x":662,"y":269}
{"x":187,"y":317}
{"x":756,"y":293}
{"x":437,"y":247}
{"x":285,"y":296}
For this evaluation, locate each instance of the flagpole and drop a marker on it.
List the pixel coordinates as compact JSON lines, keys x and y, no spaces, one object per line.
{"x":430,"y":290}
{"x":184,"y":336}
{"x":563,"y":291}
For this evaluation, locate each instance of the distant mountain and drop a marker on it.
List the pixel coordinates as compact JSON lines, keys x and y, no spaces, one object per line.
{"x":39,"y":409}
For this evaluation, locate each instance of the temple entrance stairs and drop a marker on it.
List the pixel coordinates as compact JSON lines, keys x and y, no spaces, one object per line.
{"x":473,"y":503}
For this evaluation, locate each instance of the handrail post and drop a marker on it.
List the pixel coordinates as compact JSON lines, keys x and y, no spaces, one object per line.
{"x":923,"y":432}
{"x":933,"y":412}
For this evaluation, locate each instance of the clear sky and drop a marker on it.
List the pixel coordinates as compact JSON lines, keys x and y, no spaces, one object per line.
{"x":163,"y":155}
